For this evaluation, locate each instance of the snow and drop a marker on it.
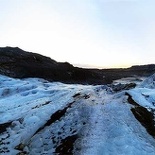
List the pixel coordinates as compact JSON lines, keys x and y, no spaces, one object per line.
{"x":134,"y":79}
{"x":144,"y":97}
{"x":115,"y":133}
{"x":41,"y":114}
{"x":149,"y":82}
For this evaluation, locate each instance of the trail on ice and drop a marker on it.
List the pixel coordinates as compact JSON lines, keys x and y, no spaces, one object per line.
{"x":112,"y":129}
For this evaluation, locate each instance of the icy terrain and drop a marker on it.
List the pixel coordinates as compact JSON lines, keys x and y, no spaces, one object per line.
{"x":38,"y":117}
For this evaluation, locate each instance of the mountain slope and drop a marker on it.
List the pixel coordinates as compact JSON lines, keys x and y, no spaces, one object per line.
{"x":40,"y":117}
{"x":17,"y":63}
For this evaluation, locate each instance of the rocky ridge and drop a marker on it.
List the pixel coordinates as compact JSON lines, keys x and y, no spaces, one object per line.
{"x":17,"y":63}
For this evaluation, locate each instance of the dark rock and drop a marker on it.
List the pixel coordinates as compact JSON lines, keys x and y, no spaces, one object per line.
{"x":20,"y":147}
{"x":76,"y":95}
{"x":131,"y":101}
{"x":120,"y":86}
{"x":143,"y":115}
{"x":4,"y":126}
{"x":56,"y":116}
{"x":146,"y":118}
{"x":67,"y":145}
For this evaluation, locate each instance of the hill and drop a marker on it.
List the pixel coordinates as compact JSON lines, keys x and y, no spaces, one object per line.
{"x":17,"y":63}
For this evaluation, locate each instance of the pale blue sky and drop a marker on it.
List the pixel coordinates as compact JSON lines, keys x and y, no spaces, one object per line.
{"x":95,"y":33}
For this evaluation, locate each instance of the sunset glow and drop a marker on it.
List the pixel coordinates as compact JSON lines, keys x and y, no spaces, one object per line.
{"x":86,"y":33}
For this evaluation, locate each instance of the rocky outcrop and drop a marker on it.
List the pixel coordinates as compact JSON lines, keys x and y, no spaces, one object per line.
{"x":15,"y":62}
{"x":143,"y":115}
{"x":120,"y":87}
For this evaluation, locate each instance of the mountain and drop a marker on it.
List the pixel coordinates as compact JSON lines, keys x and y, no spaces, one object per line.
{"x":15,"y":62}
{"x":39,"y":117}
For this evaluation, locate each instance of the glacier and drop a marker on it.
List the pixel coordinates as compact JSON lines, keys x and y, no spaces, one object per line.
{"x":38,"y":117}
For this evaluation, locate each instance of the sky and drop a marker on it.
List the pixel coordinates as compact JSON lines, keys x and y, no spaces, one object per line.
{"x":85,"y":33}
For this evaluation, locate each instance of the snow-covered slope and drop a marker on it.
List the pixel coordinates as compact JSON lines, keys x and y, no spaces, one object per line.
{"x":42,"y":118}
{"x":149,"y":82}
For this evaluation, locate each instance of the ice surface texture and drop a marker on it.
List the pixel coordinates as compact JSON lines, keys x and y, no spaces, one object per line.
{"x":38,"y":117}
